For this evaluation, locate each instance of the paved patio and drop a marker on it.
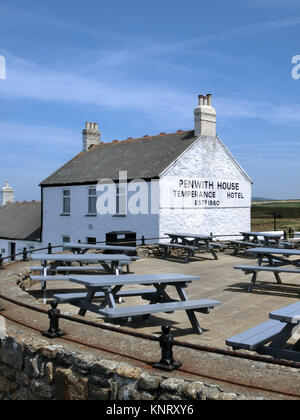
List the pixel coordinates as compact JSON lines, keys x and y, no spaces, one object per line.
{"x":240,"y":310}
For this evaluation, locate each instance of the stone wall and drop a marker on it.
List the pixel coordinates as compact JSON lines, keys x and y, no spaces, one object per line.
{"x":34,"y":369}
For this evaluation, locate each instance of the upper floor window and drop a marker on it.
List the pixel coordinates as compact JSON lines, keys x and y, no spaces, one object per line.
{"x":92,"y":203}
{"x":66,"y":201}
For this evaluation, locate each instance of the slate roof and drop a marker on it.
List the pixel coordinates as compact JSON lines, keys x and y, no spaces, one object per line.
{"x":21,"y":221}
{"x":144,"y":158}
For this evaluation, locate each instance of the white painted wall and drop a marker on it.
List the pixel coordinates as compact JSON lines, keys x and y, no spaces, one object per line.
{"x":80,"y":226}
{"x":206,"y":160}
{"x":5,"y":248}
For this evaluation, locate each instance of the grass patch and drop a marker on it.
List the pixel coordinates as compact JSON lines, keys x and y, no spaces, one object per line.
{"x":288,"y":215}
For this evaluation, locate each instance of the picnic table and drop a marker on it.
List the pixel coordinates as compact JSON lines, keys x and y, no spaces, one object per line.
{"x":277,"y":262}
{"x":110,"y":287}
{"x":108,"y":262}
{"x":189,"y":242}
{"x":277,"y":331}
{"x":81,"y":248}
{"x":259,"y":239}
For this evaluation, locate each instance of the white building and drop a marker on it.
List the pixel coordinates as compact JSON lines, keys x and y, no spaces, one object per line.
{"x":177,"y":182}
{"x":20,"y":227}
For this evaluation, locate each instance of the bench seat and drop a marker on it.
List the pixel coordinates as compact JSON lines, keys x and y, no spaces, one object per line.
{"x":169,"y":245}
{"x":67,"y":297}
{"x":195,"y":305}
{"x":256,"y":337}
{"x":240,"y":242}
{"x":50,"y":278}
{"x":40,"y":268}
{"x":81,"y":268}
{"x":253,"y":268}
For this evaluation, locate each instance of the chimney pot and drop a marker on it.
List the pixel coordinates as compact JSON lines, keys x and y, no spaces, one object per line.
{"x":91,"y":135}
{"x":205,"y":117}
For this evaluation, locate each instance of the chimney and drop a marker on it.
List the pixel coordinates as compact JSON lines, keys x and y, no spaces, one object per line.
{"x":205,"y":117}
{"x":8,"y":195}
{"x":90,"y":135}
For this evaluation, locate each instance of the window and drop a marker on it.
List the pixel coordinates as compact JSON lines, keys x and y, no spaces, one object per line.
{"x":121,"y":199}
{"x":66,"y":201}
{"x":66,"y":238}
{"x":92,"y":205}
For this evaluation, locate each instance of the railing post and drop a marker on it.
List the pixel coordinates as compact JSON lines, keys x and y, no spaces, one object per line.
{"x":49,"y":248}
{"x":1,"y":262}
{"x":53,"y":315}
{"x":25,"y":254}
{"x":167,"y":361}
{"x":143,"y":240}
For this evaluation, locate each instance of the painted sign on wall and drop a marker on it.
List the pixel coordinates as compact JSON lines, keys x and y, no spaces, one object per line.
{"x":204,"y":193}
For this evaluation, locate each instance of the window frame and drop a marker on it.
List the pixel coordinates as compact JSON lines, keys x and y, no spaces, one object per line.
{"x":65,"y":199}
{"x":92,"y":208}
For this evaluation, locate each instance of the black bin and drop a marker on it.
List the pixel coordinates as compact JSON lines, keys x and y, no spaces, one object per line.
{"x":122,"y":237}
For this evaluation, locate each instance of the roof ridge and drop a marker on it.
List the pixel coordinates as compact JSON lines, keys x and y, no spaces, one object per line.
{"x":145,"y":136}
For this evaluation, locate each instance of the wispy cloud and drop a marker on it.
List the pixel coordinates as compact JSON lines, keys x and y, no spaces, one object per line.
{"x":27,"y":80}
{"x":242,"y":31}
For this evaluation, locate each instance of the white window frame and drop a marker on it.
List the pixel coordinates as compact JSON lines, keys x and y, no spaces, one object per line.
{"x":90,"y":197}
{"x":66,"y":197}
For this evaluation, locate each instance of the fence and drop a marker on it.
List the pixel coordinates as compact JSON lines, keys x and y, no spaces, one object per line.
{"x":25,"y":254}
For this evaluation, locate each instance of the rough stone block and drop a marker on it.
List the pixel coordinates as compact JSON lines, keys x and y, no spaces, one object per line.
{"x":69,"y":386}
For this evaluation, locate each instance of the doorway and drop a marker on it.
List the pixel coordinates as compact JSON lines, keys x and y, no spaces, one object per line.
{"x":12,"y":251}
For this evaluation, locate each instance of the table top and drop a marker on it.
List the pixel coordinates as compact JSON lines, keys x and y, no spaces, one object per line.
{"x":290,"y":314}
{"x":80,"y":257}
{"x":190,"y":235}
{"x":111,"y":279}
{"x":280,"y":251}
{"x":265,"y":235}
{"x":99,"y":246}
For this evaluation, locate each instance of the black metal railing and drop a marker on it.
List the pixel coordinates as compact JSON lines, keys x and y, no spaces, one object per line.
{"x":27,"y":253}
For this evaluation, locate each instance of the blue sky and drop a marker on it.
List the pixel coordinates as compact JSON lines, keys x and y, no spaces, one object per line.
{"x":136,"y":68}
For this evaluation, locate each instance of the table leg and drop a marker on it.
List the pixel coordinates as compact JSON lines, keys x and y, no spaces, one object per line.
{"x":212,"y":251}
{"x":161,"y":295}
{"x":237,"y":249}
{"x":190,"y":313}
{"x":276,"y":347}
{"x":277,"y":276}
{"x":252,"y":282}
{"x":189,"y":255}
{"x":88,"y":299}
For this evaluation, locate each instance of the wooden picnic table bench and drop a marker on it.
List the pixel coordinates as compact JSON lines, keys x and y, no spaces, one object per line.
{"x":109,"y":262}
{"x":160,"y":301}
{"x":280,"y":255}
{"x":189,"y":242}
{"x":167,"y":246}
{"x":259,"y":239}
{"x":254,"y":269}
{"x":277,"y":332}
